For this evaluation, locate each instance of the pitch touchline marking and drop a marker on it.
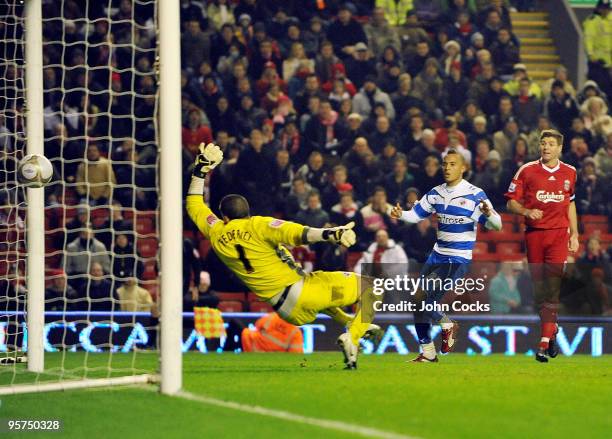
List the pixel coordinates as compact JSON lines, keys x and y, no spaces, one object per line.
{"x":293,"y":417}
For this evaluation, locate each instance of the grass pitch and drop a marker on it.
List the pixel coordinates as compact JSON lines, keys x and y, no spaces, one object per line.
{"x":462,"y":396}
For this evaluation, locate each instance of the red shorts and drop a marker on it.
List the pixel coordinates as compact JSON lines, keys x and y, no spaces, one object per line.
{"x":547,"y":245}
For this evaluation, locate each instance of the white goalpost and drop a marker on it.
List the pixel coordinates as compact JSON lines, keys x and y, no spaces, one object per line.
{"x":72,"y":337}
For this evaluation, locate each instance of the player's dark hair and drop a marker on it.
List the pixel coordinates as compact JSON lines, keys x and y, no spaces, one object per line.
{"x":234,"y":206}
{"x":552,"y":133}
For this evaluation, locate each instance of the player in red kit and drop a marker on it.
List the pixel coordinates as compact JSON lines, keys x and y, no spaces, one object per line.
{"x":543,"y":192}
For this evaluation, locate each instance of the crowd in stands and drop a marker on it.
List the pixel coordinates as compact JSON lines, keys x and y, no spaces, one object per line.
{"x":327,"y":112}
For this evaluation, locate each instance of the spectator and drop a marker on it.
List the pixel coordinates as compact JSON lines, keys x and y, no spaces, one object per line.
{"x":590,"y":189}
{"x":220,"y":13}
{"x":503,"y":292}
{"x":513,"y":85}
{"x":126,"y":262}
{"x":450,"y":128}
{"x":75,"y":225}
{"x":195,"y":46}
{"x":402,"y":99}
{"x":593,"y":110}
{"x":113,"y":225}
{"x":325,"y":132}
{"x":561,"y":107}
{"x":59,"y":296}
{"x":559,"y":75}
{"x":603,"y":158}
{"x":410,"y":34}
{"x":423,"y":149}
{"x":418,"y":240}
{"x":325,"y":61}
{"x":283,"y":174}
{"x":314,"y":172}
{"x":383,"y":134}
{"x":493,"y":179}
{"x":314,"y":36}
{"x":595,"y":256}
{"x":579,"y":150}
{"x":415,"y":62}
{"x":597,"y":30}
{"x":431,"y":175}
{"x":82,"y":253}
{"x":201,"y":295}
{"x":256,"y":170}
{"x":345,"y":33}
{"x":369,"y":95}
{"x":297,"y":63}
{"x":491,"y":97}
{"x":379,"y":32}
{"x":95,"y":177}
{"x":298,"y":196}
{"x":222,"y":117}
{"x":492,"y":24}
{"x":100,"y":296}
{"x":361,"y":65}
{"x":376,"y":213}
{"x":397,"y":183}
{"x":505,"y":138}
{"x":336,"y":187}
{"x":346,"y":210}
{"x":133,"y":298}
{"x":526,"y":106}
{"x":577,"y":128}
{"x":428,"y":87}
{"x":590,"y":89}
{"x":454,"y":90}
{"x":313,"y":215}
{"x":504,"y":52}
{"x":195,"y":133}
{"x":383,"y":258}
{"x":504,"y":112}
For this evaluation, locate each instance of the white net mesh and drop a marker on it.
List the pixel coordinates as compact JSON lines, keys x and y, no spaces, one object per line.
{"x":100,"y":108}
{"x":12,"y":196}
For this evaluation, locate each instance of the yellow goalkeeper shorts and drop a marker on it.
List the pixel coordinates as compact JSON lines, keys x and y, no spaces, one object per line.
{"x":320,"y":290}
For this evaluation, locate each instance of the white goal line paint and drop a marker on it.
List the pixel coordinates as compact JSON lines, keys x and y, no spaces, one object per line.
{"x":293,"y":417}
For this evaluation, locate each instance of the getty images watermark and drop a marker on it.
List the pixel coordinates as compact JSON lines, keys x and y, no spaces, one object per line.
{"x":444,"y":289}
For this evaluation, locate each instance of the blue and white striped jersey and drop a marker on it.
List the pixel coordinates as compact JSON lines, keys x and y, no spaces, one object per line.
{"x":458,"y":212}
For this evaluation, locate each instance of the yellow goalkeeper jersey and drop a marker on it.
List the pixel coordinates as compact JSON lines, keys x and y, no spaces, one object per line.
{"x":251,"y":247}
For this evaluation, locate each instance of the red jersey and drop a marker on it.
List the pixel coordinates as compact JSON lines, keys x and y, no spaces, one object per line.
{"x":551,"y":190}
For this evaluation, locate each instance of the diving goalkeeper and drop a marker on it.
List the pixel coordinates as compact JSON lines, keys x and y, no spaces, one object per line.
{"x":252,"y":247}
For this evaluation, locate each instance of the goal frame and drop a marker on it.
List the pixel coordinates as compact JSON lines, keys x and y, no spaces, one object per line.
{"x":170,"y":205}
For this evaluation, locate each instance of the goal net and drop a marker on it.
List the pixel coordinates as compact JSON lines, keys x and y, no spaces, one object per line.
{"x":101,"y":210}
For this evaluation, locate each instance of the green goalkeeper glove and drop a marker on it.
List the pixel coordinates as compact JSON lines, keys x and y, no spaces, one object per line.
{"x":343,"y":235}
{"x":208,"y":158}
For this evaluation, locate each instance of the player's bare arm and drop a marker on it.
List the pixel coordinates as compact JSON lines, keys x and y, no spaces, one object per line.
{"x":494,"y":221}
{"x":574,"y":242}
{"x":518,"y":209}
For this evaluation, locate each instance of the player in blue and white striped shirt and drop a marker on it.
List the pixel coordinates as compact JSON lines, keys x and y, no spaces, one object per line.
{"x":459,"y":206}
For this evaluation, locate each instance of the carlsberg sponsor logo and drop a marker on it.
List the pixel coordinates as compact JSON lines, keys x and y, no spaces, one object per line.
{"x":549,"y":197}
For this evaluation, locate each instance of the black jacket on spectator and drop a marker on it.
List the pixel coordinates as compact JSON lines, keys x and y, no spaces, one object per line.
{"x":416,"y":245}
{"x":126,"y":262}
{"x":100,"y":295}
{"x":357,"y":70}
{"x":256,"y":183}
{"x":315,"y":136}
{"x":342,"y":35}
{"x":562,"y":112}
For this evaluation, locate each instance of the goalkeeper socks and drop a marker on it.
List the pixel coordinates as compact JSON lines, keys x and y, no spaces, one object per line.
{"x":429,"y":350}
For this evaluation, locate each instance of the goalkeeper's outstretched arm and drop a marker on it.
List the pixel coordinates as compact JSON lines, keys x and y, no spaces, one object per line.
{"x":208,"y":158}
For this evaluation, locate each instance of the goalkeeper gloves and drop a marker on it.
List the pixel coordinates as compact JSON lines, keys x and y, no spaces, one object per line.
{"x":208,"y":158}
{"x":343,"y":235}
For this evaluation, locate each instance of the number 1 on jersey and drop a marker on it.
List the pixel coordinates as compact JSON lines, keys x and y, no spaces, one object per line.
{"x":242,"y":256}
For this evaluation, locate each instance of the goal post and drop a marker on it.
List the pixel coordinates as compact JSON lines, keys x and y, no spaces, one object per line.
{"x":171,"y":199}
{"x":150,"y":120}
{"x":35,"y":238}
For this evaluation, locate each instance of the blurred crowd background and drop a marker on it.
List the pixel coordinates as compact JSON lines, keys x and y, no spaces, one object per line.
{"x":327,"y":112}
